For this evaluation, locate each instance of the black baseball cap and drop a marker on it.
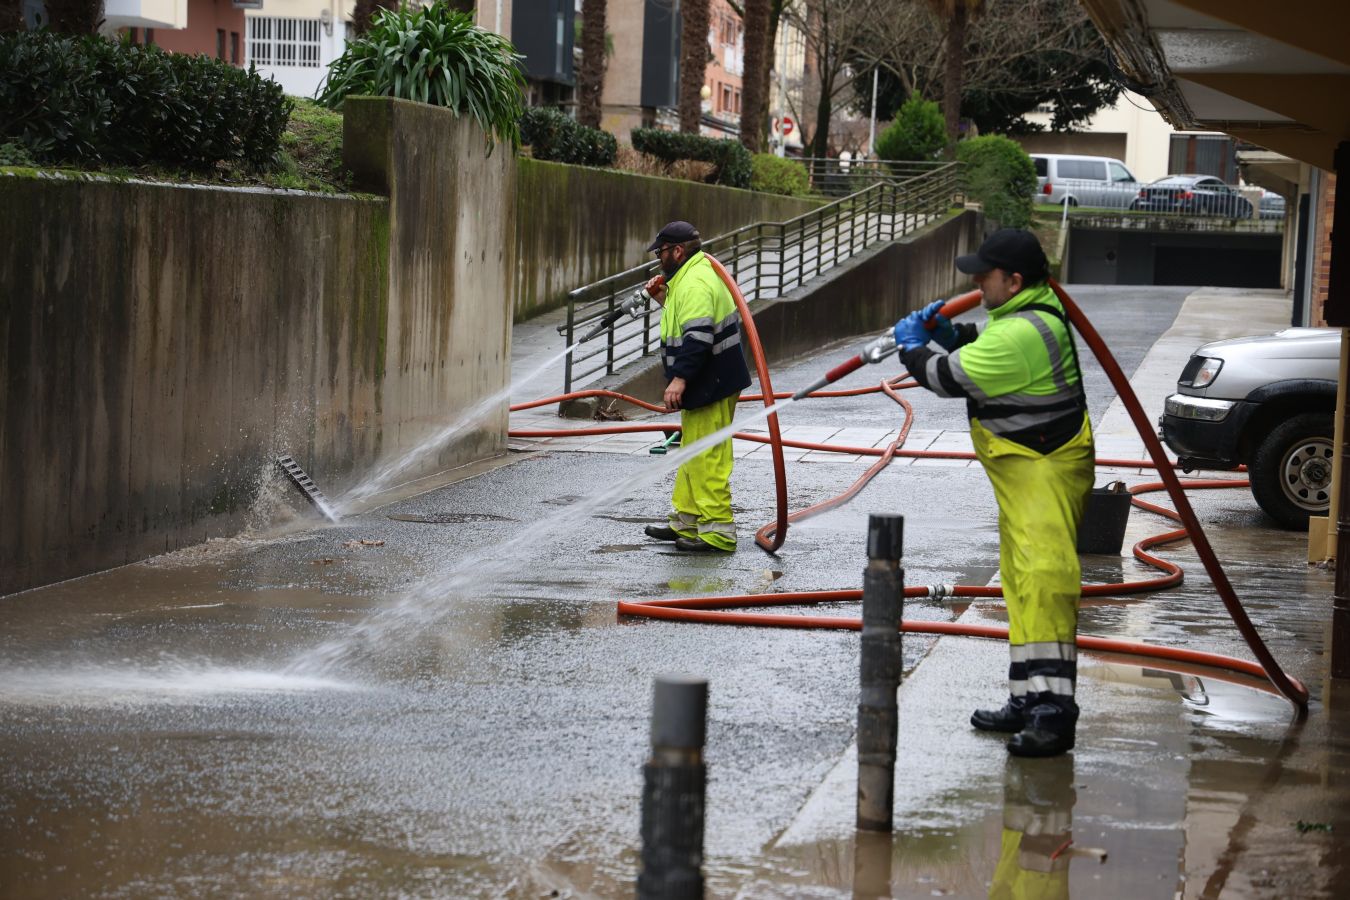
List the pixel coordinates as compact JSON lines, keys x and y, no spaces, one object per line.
{"x":675,"y":233}
{"x":1009,"y":249}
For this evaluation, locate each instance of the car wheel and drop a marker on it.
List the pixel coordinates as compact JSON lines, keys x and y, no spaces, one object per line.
{"x":1291,"y":470}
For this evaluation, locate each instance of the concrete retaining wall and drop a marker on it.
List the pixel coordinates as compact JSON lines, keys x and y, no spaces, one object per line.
{"x":578,"y":225}
{"x":160,"y":344}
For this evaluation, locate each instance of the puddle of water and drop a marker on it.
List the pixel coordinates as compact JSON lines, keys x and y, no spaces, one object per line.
{"x":621,"y":548}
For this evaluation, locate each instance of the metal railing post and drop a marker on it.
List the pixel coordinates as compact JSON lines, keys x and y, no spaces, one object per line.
{"x":674,"y":782}
{"x":571,"y":339}
{"x":881,"y":659}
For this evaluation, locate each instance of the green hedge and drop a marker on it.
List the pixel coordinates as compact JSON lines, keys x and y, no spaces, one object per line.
{"x":775,"y":175}
{"x":1000,"y":175}
{"x":87,"y":100}
{"x":556,"y":136}
{"x":733,"y":166}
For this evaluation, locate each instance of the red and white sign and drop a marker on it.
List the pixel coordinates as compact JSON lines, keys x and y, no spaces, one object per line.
{"x":788,"y":125}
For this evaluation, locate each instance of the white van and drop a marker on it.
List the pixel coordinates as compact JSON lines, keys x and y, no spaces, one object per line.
{"x":1084,"y":180}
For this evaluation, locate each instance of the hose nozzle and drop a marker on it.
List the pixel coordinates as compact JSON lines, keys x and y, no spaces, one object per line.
{"x":633,"y":307}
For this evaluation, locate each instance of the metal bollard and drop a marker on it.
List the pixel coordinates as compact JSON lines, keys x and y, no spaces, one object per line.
{"x":881,"y":660}
{"x":674,"y":782}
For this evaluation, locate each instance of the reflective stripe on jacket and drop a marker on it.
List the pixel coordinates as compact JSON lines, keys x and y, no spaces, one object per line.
{"x":1020,"y":375}
{"x":701,"y":335}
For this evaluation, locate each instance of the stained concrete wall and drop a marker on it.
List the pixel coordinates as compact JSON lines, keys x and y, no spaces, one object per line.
{"x":578,"y":225}
{"x":161,"y":344}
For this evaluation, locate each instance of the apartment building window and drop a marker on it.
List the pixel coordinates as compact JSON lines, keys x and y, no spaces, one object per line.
{"x":234,"y":49}
{"x":738,"y":103}
{"x":220,"y":43}
{"x":275,"y":41}
{"x":726,"y":98}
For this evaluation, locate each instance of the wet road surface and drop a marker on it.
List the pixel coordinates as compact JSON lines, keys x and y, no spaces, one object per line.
{"x":435,"y":698}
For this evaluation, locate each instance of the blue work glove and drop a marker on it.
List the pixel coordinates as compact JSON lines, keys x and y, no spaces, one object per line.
{"x":910,"y":332}
{"x":944,"y":332}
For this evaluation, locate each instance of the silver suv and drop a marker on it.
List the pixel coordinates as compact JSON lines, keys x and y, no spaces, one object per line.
{"x":1267,"y":402}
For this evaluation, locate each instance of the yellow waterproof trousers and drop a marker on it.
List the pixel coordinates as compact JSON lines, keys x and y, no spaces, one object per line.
{"x":1041,"y":498}
{"x":702,"y":497}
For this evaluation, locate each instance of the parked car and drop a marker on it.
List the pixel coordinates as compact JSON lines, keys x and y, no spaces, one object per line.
{"x":1083,"y":180}
{"x":1267,"y":402}
{"x":1193,"y":195}
{"x":1272,"y":205}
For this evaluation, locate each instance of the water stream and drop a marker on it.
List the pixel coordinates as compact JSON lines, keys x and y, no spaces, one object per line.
{"x":434,"y":596}
{"x":481,"y":410}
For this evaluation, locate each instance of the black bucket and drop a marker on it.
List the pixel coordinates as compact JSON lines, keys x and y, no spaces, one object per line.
{"x":1103,"y":527}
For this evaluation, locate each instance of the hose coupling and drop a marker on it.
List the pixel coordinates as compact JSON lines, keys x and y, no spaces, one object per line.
{"x":880,"y":348}
{"x":940,"y":591}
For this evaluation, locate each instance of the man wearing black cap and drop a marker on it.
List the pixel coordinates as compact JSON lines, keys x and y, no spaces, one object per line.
{"x":701,"y":352}
{"x":1030,"y":428}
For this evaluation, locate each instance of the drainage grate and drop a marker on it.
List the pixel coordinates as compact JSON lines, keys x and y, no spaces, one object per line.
{"x":306,"y":486}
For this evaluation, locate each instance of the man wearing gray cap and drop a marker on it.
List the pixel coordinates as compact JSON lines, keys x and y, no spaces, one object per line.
{"x":1029,"y":424}
{"x":706,"y":370}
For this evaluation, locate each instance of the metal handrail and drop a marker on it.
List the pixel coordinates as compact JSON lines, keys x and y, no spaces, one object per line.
{"x":767,"y":259}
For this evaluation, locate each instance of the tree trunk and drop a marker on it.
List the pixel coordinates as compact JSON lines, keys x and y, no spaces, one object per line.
{"x":363,"y":15}
{"x":11,"y":16}
{"x":952,"y":81}
{"x":591,"y":78}
{"x":74,"y":16}
{"x":755,"y":90}
{"x":820,"y":141}
{"x":693,"y":61}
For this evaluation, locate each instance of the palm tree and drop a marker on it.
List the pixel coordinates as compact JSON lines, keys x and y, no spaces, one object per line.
{"x":693,"y":61}
{"x":957,"y":14}
{"x":591,"y":77}
{"x":363,"y":15}
{"x":754,"y":92}
{"x":74,"y":16}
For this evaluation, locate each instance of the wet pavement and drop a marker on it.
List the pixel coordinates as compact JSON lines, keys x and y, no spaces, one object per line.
{"x":435,"y":698}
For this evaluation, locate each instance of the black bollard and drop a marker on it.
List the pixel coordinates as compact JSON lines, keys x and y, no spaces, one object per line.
{"x":881,"y":659}
{"x":674,"y":782}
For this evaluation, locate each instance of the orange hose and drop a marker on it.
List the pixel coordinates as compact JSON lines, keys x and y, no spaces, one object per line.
{"x":713,"y":610}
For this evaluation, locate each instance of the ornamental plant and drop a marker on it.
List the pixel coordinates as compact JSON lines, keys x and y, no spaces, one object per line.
{"x":998,"y":173}
{"x":556,"y":136}
{"x":91,"y":101}
{"x":733,"y":166}
{"x":917,"y":134}
{"x":434,"y":55}
{"x":775,"y":175}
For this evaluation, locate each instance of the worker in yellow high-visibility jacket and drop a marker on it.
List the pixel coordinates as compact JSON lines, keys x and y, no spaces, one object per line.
{"x":1030,"y":428}
{"x":706,"y":370}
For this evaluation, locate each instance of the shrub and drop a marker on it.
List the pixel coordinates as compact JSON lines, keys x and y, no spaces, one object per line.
{"x":88,"y":100}
{"x":918,"y":132}
{"x":556,"y":136}
{"x":1000,"y":175}
{"x":312,"y":149}
{"x":730,"y":158}
{"x":434,"y":55}
{"x":775,"y":175}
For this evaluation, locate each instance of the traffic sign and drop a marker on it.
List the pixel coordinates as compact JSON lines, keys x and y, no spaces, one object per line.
{"x":788,"y":125}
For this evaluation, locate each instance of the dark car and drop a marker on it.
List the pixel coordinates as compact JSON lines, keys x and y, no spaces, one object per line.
{"x":1192,"y":195}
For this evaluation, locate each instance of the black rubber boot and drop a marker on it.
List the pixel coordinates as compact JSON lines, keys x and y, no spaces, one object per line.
{"x":661,"y":532}
{"x":1039,"y":742}
{"x":1008,"y":720}
{"x":695,"y":545}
